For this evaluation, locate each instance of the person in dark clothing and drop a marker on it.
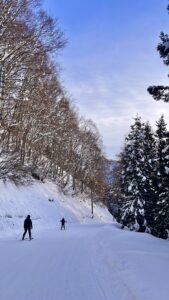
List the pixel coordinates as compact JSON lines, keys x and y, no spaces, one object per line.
{"x":27,"y":226}
{"x":62,"y":223}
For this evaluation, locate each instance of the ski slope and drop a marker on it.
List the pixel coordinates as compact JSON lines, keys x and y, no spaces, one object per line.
{"x":91,"y":260}
{"x":46,"y":205}
{"x":84,"y":262}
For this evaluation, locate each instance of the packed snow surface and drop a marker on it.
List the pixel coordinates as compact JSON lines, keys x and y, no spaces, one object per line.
{"x":91,"y":260}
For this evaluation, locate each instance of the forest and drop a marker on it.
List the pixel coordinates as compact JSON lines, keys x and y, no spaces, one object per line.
{"x":41,"y":132}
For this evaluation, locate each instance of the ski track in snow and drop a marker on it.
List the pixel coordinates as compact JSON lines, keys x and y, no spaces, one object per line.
{"x":92,"y":260}
{"x":84,"y":262}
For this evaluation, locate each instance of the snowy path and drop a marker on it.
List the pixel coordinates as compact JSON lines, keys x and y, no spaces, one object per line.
{"x":85,"y":262}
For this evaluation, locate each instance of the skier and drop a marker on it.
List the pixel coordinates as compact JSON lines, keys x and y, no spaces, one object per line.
{"x":62,"y":223}
{"x":27,"y":226}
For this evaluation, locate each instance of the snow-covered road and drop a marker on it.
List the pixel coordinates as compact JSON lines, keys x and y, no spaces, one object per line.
{"x":84,"y":262}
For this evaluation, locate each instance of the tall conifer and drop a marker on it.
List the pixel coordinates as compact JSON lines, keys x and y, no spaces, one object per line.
{"x":133,"y":210}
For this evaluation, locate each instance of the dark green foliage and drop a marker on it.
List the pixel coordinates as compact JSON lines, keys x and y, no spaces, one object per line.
{"x":162,"y":92}
{"x":139,"y":180}
{"x":133,"y":209}
{"x":159,"y":92}
{"x":161,"y":212}
{"x":144,"y":183}
{"x":161,"y":145}
{"x":150,"y":178}
{"x":162,"y":208}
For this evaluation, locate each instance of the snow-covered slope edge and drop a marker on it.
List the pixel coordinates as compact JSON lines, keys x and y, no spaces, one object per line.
{"x":46,"y":205}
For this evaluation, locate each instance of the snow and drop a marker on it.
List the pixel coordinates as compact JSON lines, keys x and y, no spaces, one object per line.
{"x":93,"y":259}
{"x":17,"y":202}
{"x":167,"y":170}
{"x":130,"y":187}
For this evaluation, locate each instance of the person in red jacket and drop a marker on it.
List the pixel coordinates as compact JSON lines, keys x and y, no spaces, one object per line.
{"x":27,"y":227}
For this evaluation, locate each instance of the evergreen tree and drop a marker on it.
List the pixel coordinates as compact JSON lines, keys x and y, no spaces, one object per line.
{"x":161,"y":147}
{"x":161,"y":225}
{"x":162,"y":92}
{"x":133,"y":209}
{"x":149,"y":172}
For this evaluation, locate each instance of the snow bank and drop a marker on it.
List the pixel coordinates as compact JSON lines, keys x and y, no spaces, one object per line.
{"x":46,"y":205}
{"x":86,"y":261}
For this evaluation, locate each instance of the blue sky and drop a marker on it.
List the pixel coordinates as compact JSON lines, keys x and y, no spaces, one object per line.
{"x":111,"y":59}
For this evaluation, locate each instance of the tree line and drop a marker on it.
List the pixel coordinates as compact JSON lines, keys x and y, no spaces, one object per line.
{"x":40,"y":129}
{"x":141,"y":188}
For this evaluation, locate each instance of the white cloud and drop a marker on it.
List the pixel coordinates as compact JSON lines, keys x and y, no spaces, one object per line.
{"x":112,"y":103}
{"x":108,"y":69}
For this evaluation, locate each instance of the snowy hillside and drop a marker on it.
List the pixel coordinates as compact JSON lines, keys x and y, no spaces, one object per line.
{"x":46,"y":205}
{"x":91,"y":260}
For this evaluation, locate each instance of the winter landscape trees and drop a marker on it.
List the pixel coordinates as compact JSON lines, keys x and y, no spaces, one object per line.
{"x":143,"y":187}
{"x":162,"y":93}
{"x":42,"y":134}
{"x":40,"y":130}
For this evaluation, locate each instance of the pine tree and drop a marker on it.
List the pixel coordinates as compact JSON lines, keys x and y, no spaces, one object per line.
{"x":162,"y":92}
{"x":161,"y":147}
{"x":149,"y":172}
{"x":161,"y":225}
{"x":133,"y":209}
